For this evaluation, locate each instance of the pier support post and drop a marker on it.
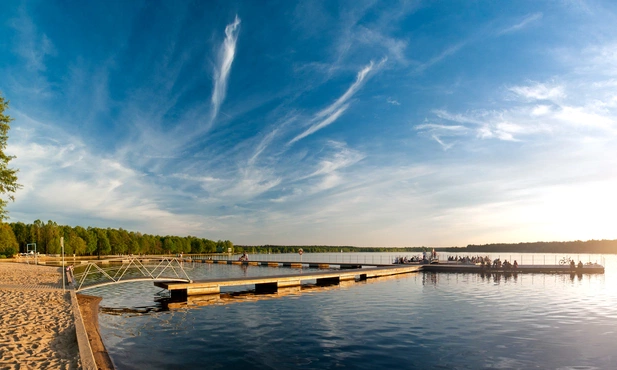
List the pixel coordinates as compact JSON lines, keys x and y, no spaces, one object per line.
{"x":178,"y":294}
{"x":266,"y":288}
{"x":328,"y":281}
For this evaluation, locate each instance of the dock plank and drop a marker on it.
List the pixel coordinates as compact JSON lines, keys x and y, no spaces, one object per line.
{"x":210,"y":286}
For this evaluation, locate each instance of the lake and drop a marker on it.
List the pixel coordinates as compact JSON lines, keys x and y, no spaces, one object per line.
{"x":414,"y":321}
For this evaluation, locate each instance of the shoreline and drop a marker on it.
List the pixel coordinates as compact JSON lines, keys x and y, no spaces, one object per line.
{"x":89,"y":308}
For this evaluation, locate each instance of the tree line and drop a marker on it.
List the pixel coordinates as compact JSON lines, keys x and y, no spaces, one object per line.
{"x":91,"y":241}
{"x":322,"y":249}
{"x":590,"y":246}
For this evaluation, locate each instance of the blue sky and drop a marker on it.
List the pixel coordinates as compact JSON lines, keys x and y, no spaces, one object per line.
{"x":368,"y":123}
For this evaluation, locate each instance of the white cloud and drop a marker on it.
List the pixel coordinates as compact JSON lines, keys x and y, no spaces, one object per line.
{"x":451,"y":50}
{"x":393,"y":102}
{"x":33,"y":46}
{"x":343,"y":157}
{"x":540,"y":91}
{"x":331,"y":113}
{"x":222,"y":70}
{"x":582,"y":116}
{"x":438,"y":131}
{"x":541,"y":110}
{"x":526,"y":21}
{"x":440,"y":142}
{"x":63,"y":181}
{"x":441,"y":128}
{"x":321,"y":124}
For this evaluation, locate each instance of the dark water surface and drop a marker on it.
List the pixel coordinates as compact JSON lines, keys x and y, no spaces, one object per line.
{"x":415,"y":321}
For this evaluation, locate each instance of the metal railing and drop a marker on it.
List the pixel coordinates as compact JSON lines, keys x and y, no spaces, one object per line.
{"x":131,"y":269}
{"x":385,"y":258}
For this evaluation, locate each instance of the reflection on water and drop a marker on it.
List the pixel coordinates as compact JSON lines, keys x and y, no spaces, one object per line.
{"x":422,"y":320}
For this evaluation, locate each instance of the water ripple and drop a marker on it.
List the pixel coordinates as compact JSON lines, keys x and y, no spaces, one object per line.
{"x":449,"y":321}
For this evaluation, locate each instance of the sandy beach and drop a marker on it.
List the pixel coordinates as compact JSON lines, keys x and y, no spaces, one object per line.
{"x":37,"y":329}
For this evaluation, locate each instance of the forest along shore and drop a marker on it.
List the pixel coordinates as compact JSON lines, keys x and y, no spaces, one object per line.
{"x":37,"y":328}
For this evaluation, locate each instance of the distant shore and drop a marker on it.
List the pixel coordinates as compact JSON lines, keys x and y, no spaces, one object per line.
{"x":580,"y":247}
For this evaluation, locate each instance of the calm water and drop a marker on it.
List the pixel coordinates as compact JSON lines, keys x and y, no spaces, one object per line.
{"x":416,"y":321}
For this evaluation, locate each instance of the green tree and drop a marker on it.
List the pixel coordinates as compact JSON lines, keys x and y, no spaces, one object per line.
{"x":91,"y":240}
{"x":224,"y":246}
{"x":209,"y":246}
{"x":51,"y":237}
{"x":36,"y":236}
{"x":8,"y":176}
{"x":197,"y":245}
{"x":22,"y":234}
{"x":133,"y":244}
{"x":103,"y":247}
{"x":8,"y":243}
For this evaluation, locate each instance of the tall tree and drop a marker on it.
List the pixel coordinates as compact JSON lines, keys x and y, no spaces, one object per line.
{"x":51,"y":237}
{"x":103,"y":247}
{"x":8,"y":243}
{"x":36,"y":236}
{"x":22,"y":234}
{"x":8,"y":176}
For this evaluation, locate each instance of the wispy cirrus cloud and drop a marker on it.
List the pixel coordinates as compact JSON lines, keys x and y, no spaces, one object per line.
{"x":530,"y":18}
{"x":34,"y":46}
{"x":63,"y":179}
{"x":393,"y":101}
{"x":330,"y":114}
{"x":222,"y":70}
{"x":474,"y":39}
{"x":539,"y":91}
{"x":343,"y":157}
{"x":581,"y":110}
{"x":451,"y":50}
{"x":438,"y":131}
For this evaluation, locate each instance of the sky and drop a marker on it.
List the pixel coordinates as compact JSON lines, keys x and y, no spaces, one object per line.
{"x":366,"y":123}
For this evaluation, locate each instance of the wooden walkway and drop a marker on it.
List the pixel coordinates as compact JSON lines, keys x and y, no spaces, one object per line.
{"x":297,"y":264}
{"x":521,"y":269}
{"x":267,"y":284}
{"x":347,"y":272}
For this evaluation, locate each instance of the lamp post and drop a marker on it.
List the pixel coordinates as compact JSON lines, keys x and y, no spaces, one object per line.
{"x":63,"y":269}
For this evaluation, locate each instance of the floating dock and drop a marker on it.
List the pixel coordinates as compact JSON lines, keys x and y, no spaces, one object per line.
{"x":347,"y":272}
{"x":296,"y":264}
{"x":522,"y":269}
{"x":270,"y":284}
{"x":435,"y":267}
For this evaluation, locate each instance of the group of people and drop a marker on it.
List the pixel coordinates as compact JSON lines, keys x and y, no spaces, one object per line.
{"x":244,"y":257}
{"x":573,"y":266}
{"x":426,"y":258}
{"x":498,"y":264}
{"x":401,"y":259}
{"x":468,"y":260}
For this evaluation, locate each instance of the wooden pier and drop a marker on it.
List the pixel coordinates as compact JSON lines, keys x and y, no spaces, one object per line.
{"x":347,"y":272}
{"x":521,"y":269}
{"x":269,"y":284}
{"x":295,"y":264}
{"x":436,"y":267}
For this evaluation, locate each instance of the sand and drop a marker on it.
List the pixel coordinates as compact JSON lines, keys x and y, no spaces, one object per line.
{"x":37,"y":329}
